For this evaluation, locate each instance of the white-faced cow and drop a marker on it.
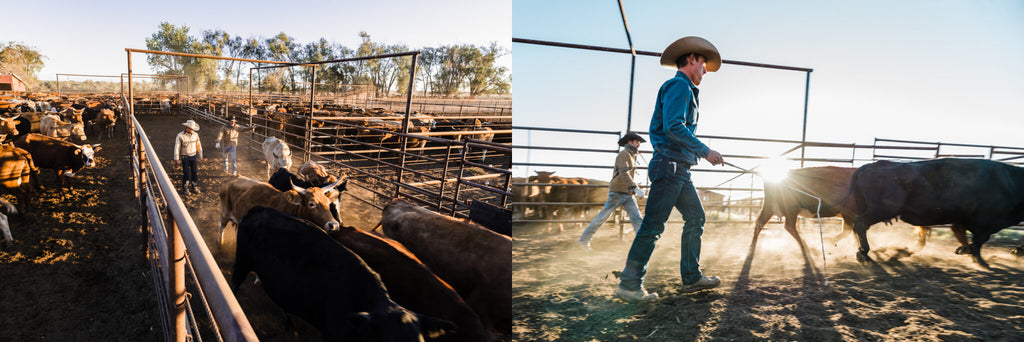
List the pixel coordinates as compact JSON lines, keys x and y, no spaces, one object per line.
{"x":277,"y":154}
{"x":411,"y":284}
{"x":309,"y":274}
{"x":239,"y":194}
{"x":475,"y":261}
{"x":789,"y":199}
{"x":64,"y":158}
{"x":980,"y":196}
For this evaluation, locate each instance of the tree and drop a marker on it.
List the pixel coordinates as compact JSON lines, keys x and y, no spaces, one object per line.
{"x":200,"y":71}
{"x":281,"y":48}
{"x":482,"y":76}
{"x":253,"y":48}
{"x":429,"y":60}
{"x":22,"y":60}
{"x":453,"y":68}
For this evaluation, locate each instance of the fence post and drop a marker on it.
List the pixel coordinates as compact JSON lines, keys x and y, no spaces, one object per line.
{"x":176,"y":290}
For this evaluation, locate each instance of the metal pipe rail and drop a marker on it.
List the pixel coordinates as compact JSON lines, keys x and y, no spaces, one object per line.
{"x":183,"y":238}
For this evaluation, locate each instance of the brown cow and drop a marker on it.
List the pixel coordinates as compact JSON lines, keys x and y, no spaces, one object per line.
{"x":554,"y":193}
{"x":9,"y":126}
{"x":411,"y":284}
{"x":475,"y":261}
{"x":63,"y":157}
{"x":238,"y":195}
{"x":314,"y":173}
{"x":828,"y":182}
{"x":16,"y":169}
{"x":105,"y":123}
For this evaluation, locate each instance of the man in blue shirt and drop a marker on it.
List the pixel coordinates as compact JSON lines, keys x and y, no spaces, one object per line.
{"x":676,"y":149}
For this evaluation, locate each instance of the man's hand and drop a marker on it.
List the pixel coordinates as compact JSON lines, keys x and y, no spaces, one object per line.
{"x":199,"y":160}
{"x":714,"y":158}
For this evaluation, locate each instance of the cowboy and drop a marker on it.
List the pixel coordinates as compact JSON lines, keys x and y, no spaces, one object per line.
{"x":676,"y":148}
{"x":229,"y":135}
{"x":620,"y":190}
{"x":190,"y":151}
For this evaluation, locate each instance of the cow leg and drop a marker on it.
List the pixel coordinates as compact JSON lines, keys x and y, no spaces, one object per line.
{"x":762,"y":219}
{"x":861,"y":228}
{"x":961,"y":236}
{"x":976,"y":241}
{"x":790,"y":225}
{"x":922,"y":237}
{"x":241,"y":269}
{"x":847,"y":230}
{"x":7,"y":230}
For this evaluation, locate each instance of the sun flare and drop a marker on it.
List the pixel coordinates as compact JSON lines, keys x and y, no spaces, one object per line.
{"x":774,"y":170}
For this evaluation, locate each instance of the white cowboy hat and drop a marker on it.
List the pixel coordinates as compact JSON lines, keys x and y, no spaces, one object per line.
{"x":692,"y":44}
{"x":191,"y":124}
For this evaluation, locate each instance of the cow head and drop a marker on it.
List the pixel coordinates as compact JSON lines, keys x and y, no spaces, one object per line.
{"x":314,"y":204}
{"x":9,"y":126}
{"x":78,"y":131}
{"x":86,"y":153}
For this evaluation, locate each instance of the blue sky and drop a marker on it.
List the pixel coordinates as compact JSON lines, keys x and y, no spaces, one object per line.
{"x":87,"y":37}
{"x":947,"y":71}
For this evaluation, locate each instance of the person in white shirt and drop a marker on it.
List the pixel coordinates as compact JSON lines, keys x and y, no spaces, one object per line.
{"x":189,"y":152}
{"x":227,"y":140}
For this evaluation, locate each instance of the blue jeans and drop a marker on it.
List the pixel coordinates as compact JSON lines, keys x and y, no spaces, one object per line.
{"x":189,"y":169}
{"x":615,"y":199}
{"x":670,"y":187}
{"x":230,"y":152}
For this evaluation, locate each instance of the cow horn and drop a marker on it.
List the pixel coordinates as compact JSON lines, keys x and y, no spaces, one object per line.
{"x":331,"y":187}
{"x":300,"y":190}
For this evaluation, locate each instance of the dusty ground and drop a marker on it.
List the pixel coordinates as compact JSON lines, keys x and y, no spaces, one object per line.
{"x":78,"y":271}
{"x":563,"y":293}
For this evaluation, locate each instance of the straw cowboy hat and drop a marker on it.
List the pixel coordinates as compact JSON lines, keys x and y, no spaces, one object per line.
{"x":630,"y":137}
{"x":692,"y":44}
{"x":191,"y":124}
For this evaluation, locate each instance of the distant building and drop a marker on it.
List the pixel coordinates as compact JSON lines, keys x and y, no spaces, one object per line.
{"x":11,"y":82}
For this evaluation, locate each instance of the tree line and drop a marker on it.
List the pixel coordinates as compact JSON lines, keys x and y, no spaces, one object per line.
{"x":22,"y":60}
{"x":446,"y":70}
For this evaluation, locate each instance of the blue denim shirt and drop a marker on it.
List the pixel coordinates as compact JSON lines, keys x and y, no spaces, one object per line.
{"x":674,"y":123}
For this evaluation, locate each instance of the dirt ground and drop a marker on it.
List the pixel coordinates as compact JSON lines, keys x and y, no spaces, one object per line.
{"x":564,"y":293}
{"x":78,"y":270}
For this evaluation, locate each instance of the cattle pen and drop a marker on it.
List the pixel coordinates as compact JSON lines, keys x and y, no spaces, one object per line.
{"x":456,"y":163}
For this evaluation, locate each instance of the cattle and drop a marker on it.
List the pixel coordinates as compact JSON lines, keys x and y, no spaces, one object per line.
{"x":284,"y":180}
{"x":63,"y":157}
{"x":9,"y":126}
{"x":561,"y":190}
{"x":239,"y":194}
{"x":16,"y":173}
{"x":5,"y":227}
{"x":411,"y":284}
{"x":277,"y":154}
{"x":475,"y":261}
{"x":976,"y":195}
{"x":105,"y":123}
{"x":51,"y":125}
{"x":789,"y":199}
{"x":309,"y":274}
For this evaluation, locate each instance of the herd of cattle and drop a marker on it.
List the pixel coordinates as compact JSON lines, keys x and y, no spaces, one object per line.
{"x":545,"y":189}
{"x":25,"y":150}
{"x":427,"y":277}
{"x":288,"y":120}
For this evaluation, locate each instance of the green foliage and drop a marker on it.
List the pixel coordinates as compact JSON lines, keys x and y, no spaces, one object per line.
{"x":22,"y":60}
{"x":445,"y":70}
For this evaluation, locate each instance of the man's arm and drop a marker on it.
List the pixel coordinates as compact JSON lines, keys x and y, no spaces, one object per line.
{"x":177,"y":146}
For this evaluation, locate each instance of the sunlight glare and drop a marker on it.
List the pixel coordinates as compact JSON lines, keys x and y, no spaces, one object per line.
{"x":774,"y":170}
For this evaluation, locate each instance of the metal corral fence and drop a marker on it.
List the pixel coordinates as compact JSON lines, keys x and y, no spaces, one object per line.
{"x":443,"y":174}
{"x":738,"y":191}
{"x":172,"y":233}
{"x":433,"y":176}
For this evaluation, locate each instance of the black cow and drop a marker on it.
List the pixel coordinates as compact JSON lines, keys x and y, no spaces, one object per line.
{"x":309,"y":274}
{"x":282,"y":180}
{"x":981,"y":196}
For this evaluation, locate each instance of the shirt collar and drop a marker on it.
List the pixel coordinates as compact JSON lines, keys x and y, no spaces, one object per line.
{"x":680,"y":74}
